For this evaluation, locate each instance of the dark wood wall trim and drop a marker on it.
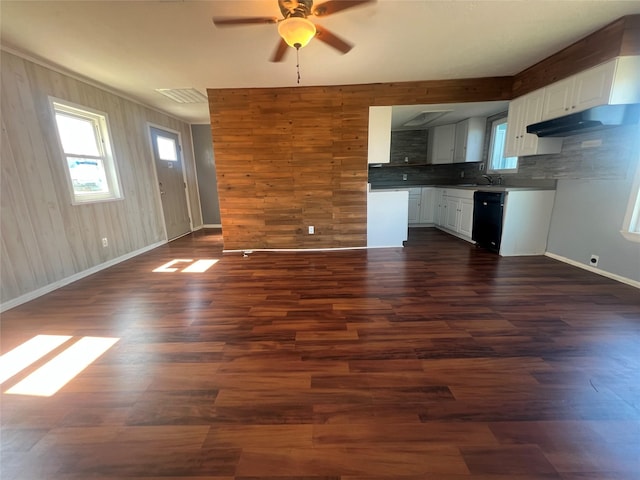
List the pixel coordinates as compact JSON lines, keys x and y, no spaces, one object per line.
{"x":621,"y":37}
{"x":287,"y":158}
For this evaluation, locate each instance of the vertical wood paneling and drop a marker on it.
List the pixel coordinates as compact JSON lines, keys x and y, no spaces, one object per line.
{"x":45,"y":239}
{"x":287,"y":158}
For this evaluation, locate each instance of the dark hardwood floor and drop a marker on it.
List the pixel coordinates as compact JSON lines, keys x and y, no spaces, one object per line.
{"x":438,"y":361}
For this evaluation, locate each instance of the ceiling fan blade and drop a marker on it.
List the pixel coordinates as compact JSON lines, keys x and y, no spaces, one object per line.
{"x":332,"y":6}
{"x":332,"y":40}
{"x":280,"y":51}
{"x":228,"y":22}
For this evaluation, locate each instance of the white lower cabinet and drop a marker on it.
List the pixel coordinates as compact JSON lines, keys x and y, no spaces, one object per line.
{"x":455,"y":211}
{"x":439,"y":207}
{"x":420,"y":204}
{"x":415,"y":195}
{"x":465,"y":225}
{"x":427,"y":203}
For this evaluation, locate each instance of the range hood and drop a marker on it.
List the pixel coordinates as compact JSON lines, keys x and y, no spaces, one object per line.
{"x":596,"y":118}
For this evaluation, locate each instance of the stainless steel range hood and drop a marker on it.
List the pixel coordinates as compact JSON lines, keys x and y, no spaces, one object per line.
{"x":596,"y":118}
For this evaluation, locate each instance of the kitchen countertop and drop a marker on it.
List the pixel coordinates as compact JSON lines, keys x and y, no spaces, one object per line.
{"x":465,"y":186}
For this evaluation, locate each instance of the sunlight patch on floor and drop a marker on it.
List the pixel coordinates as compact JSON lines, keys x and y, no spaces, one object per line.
{"x":199,"y":266}
{"x":30,"y":351}
{"x":168,"y":267}
{"x":63,"y":368}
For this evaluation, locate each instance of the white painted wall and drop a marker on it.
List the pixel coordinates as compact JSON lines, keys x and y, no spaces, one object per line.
{"x":587,"y":219}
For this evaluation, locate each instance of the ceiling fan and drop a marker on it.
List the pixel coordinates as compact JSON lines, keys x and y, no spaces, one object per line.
{"x":295,"y":29}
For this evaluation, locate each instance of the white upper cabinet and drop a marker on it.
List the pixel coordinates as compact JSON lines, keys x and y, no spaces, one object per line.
{"x":379,"y":134}
{"x":469,"y":140}
{"x":524,"y":111}
{"x":442,"y":144}
{"x":613,"y":82}
{"x":457,"y":142}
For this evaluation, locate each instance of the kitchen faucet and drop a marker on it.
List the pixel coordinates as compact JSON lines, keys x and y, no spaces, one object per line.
{"x":489,"y":179}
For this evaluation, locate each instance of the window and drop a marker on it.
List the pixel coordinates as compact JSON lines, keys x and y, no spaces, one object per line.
{"x":84,"y":141}
{"x":167,"y":149}
{"x":497,"y":161}
{"x":631,"y":226}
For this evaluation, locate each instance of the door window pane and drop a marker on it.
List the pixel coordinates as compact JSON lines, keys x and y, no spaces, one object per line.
{"x":167,"y":149}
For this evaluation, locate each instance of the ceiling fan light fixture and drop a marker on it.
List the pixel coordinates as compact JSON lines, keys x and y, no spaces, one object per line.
{"x":296,"y":31}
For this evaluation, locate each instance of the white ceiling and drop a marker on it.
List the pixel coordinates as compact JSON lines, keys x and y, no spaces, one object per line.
{"x":134,"y":47}
{"x":403,"y":116}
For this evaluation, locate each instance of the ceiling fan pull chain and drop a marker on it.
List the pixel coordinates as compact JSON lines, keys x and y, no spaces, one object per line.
{"x":298,"y":63}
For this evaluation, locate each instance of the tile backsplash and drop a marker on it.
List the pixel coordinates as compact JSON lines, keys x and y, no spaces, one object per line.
{"x":604,"y":154}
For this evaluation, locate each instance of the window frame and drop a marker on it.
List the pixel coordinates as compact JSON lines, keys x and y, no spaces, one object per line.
{"x":102,"y":131}
{"x":490,"y":169}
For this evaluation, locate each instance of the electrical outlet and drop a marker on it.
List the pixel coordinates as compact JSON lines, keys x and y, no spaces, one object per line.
{"x":312,"y":230}
{"x":593,"y":261}
{"x":105,"y":242}
{"x":404,"y":176}
{"x":462,"y":174}
{"x":481,"y":166}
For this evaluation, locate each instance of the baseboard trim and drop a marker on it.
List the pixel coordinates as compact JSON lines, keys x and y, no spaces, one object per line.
{"x":212,"y":225}
{"x":589,"y":268}
{"x":253,"y":250}
{"x":27,"y":297}
{"x":455,"y":234}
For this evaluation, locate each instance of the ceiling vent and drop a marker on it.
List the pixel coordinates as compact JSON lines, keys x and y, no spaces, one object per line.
{"x":183,"y":95}
{"x":424,"y":118}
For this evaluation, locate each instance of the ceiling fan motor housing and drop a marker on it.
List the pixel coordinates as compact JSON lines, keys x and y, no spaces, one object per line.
{"x":295,"y":8}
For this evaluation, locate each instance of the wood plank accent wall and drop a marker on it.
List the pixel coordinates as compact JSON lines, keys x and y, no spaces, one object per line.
{"x":287,"y":158}
{"x":619,"y":38}
{"x":44,"y":239}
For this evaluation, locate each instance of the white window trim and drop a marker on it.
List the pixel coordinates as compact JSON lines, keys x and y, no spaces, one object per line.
{"x":631,"y":225}
{"x":101,"y":119}
{"x":494,"y":125}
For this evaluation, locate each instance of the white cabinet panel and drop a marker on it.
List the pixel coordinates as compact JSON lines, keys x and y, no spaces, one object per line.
{"x":451,"y":219}
{"x":613,"y":82}
{"x":427,"y":205}
{"x":469,"y":140}
{"x":557,"y":99}
{"x":442,"y":144}
{"x":524,"y":111}
{"x":379,"y":134}
{"x":439,"y":207}
{"x":456,"y":212}
{"x":592,"y":87}
{"x":466,"y":217}
{"x":525,"y":225}
{"x":414,"y":208}
{"x":387,"y":218}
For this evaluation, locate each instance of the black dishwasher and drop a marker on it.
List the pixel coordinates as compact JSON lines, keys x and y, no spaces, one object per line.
{"x":487,"y":219}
